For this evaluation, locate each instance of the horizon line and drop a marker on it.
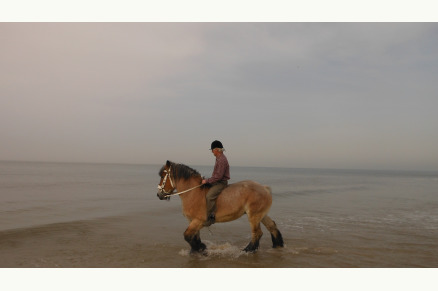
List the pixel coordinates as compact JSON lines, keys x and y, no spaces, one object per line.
{"x":234,"y":166}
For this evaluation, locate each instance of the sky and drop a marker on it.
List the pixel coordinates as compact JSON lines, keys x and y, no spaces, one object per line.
{"x":298,"y":95}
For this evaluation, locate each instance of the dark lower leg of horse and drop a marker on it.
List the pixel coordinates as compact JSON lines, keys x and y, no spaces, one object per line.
{"x":277,"y":241}
{"x":195,"y":243}
{"x":277,"y":238}
{"x":201,"y":245}
{"x":254,"y":243}
{"x":252,"y":246}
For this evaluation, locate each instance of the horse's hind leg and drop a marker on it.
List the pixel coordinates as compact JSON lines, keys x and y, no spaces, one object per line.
{"x":191,"y":235}
{"x":256,"y":234}
{"x":277,"y":238}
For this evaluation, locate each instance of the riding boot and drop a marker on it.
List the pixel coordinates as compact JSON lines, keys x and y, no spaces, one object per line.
{"x":210,"y":220}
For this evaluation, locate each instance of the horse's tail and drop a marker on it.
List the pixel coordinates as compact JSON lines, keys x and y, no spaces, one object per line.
{"x":268,"y":189}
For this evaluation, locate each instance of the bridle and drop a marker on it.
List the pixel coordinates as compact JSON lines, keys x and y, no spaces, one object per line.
{"x":163,"y":185}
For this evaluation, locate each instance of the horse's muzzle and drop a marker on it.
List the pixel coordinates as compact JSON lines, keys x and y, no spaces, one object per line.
{"x":163,"y":196}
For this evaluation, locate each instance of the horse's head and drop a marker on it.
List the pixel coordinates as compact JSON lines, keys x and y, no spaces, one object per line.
{"x":166,"y":185}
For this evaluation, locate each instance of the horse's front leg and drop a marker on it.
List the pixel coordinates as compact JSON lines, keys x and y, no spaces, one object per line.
{"x":192,"y":236}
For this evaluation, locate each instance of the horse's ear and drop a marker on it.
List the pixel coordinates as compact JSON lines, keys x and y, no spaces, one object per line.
{"x":168,"y":163}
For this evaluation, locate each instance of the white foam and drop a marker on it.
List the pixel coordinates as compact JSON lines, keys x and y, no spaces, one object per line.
{"x":184,"y":253}
{"x":225,"y":250}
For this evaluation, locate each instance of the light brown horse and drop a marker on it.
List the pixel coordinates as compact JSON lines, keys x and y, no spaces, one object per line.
{"x":245,"y":197}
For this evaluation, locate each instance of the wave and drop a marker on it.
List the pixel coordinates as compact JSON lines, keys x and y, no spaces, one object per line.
{"x":38,"y":230}
{"x":73,"y":227}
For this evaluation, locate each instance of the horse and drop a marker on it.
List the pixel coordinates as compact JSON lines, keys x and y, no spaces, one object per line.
{"x":244,"y":197}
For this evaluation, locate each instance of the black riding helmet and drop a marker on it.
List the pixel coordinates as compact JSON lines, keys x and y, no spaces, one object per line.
{"x":216,"y":144}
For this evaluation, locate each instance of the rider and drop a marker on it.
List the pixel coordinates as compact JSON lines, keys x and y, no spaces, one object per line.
{"x":219,"y":180}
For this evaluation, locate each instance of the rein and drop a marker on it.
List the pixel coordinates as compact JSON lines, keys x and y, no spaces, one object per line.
{"x":168,"y":194}
{"x":179,"y":193}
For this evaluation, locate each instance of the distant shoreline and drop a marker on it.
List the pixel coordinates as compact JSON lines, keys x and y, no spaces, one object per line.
{"x":339,"y":170}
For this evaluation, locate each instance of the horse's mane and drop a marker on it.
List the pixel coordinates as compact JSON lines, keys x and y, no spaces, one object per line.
{"x":180,"y":171}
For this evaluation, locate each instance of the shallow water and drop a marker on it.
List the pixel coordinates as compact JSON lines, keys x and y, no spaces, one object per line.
{"x":98,"y":215}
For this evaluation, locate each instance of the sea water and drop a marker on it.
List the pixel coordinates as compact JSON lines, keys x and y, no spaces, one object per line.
{"x":108,"y":215}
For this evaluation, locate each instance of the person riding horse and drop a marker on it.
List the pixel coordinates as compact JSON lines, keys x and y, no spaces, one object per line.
{"x":219,"y":180}
{"x":244,"y":197}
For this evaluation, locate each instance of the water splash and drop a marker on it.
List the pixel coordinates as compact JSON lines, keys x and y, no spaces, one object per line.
{"x":225,"y":250}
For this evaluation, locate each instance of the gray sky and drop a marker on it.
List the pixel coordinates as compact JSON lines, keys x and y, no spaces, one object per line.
{"x":326,"y":95}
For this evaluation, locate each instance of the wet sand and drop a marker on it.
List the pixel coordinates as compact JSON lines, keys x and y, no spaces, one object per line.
{"x":131,"y":242}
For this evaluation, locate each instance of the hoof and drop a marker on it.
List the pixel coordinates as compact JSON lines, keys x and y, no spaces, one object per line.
{"x":201,"y":250}
{"x":277,"y":241}
{"x":251,"y":247}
